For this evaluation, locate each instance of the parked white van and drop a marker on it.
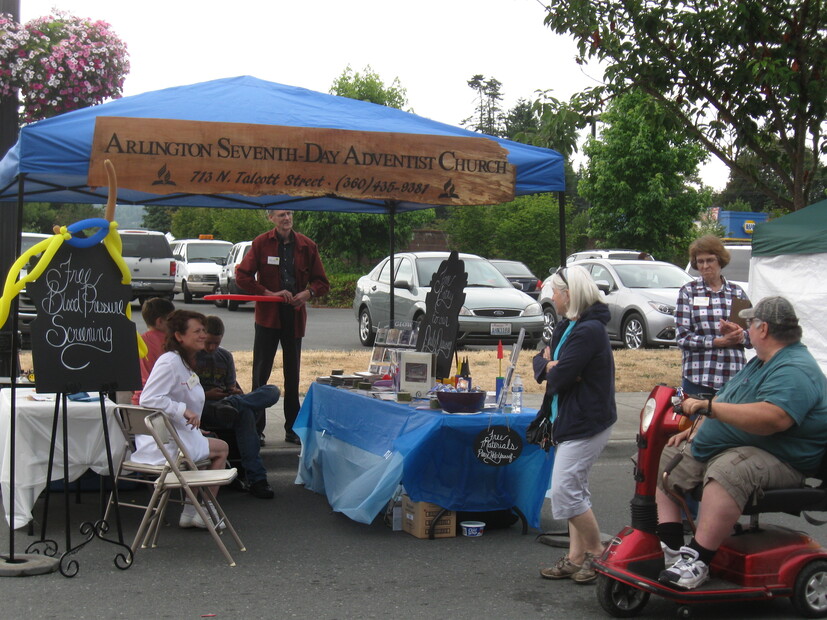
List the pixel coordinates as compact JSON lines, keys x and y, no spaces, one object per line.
{"x":198,"y":263}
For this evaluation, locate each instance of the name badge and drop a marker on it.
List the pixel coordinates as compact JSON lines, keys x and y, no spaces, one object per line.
{"x":700,"y":301}
{"x":273,"y":260}
{"x":192,"y":381}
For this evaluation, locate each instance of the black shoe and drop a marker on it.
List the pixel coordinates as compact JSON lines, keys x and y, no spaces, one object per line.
{"x":262,"y":490}
{"x":291,"y":437}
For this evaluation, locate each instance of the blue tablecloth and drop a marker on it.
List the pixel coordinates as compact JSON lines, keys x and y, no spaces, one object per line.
{"x":357,"y":449}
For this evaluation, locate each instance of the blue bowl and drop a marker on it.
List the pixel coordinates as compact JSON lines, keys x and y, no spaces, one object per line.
{"x":461,"y":402}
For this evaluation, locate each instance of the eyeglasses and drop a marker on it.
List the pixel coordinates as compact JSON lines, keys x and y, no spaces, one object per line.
{"x":752,"y":320}
{"x":562,"y":273}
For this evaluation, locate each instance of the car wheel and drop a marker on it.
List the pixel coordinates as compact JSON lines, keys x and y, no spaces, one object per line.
{"x":366,"y":335}
{"x":232,"y":305}
{"x":549,"y":323}
{"x":219,"y":303}
{"x":186,"y":292}
{"x":634,"y":332}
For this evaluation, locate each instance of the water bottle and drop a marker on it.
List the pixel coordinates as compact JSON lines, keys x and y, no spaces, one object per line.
{"x":517,"y":395}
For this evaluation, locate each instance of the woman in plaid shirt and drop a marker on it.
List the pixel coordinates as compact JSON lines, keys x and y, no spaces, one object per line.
{"x":712,"y":346}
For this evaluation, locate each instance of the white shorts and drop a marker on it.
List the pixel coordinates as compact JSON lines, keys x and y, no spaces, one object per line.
{"x":573,"y":460}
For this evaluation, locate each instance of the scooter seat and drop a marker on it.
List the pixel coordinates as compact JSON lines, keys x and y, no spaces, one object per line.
{"x":790,"y":501}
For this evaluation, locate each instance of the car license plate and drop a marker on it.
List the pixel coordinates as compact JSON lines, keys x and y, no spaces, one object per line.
{"x":500,"y":329}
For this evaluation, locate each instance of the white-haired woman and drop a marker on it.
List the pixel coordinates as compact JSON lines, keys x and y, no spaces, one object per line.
{"x":579,"y":371}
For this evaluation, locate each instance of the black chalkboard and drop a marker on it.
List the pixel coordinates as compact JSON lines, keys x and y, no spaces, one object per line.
{"x":498,"y":446}
{"x":438,"y":330}
{"x":81,"y":338}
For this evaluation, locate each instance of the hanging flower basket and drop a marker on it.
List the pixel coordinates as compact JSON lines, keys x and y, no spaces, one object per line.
{"x":60,"y":63}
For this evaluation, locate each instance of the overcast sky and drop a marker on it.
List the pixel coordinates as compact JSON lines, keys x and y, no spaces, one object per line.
{"x":432,"y":46}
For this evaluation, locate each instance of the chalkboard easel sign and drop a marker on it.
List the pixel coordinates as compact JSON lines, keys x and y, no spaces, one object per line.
{"x":81,"y":338}
{"x":438,"y":330}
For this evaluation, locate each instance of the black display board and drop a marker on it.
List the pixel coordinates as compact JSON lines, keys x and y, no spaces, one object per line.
{"x":498,"y":446}
{"x":81,"y":338}
{"x":438,"y":330}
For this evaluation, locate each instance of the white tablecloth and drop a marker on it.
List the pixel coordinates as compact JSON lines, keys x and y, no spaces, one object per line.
{"x":34,"y":428}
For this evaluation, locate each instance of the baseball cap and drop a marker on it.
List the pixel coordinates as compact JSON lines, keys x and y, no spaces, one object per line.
{"x":775,"y":310}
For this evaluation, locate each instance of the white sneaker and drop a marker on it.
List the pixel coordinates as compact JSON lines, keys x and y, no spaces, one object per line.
{"x":191,"y":518}
{"x":687,"y":573}
{"x":670,"y":556}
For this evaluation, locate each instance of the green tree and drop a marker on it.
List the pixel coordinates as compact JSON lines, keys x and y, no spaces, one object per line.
{"x":158,"y":218}
{"x":353,"y":238}
{"x":739,"y":75}
{"x":740,"y":189}
{"x":368,"y":86}
{"x":525,"y":229}
{"x":488,"y":117}
{"x":229,"y":224}
{"x":41,"y":217}
{"x":520,"y":120}
{"x":637,"y":179}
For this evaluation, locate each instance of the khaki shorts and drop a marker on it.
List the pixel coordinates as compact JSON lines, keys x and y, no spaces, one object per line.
{"x":740,"y":471}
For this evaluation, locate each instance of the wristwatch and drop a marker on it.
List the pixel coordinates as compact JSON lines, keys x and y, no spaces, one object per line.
{"x":312,"y":294}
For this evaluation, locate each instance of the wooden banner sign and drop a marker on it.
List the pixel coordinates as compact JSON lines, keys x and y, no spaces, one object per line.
{"x":164,"y":156}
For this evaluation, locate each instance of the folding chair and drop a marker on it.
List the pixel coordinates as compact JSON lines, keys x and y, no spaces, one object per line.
{"x":178,"y":473}
{"x":130,"y":418}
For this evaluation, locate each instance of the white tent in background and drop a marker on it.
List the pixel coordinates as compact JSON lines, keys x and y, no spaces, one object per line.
{"x":789,"y":258}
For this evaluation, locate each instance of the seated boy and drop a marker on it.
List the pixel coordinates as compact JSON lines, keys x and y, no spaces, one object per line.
{"x":227,"y":407}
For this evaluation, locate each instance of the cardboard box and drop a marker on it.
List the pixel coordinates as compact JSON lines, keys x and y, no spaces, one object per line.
{"x":418,"y":516}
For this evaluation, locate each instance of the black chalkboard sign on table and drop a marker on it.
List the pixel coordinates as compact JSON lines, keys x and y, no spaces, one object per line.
{"x":81,"y":338}
{"x":438,"y":330}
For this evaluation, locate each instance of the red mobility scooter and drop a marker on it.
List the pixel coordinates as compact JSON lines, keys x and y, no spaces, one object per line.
{"x":754,"y":563}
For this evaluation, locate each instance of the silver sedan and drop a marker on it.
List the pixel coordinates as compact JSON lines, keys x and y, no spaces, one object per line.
{"x":642,"y":296}
{"x":494,"y":310}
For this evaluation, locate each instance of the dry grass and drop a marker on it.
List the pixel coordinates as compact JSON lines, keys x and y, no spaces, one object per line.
{"x":636,"y":371}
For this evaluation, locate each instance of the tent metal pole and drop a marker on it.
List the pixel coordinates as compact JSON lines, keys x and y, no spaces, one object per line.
{"x":391,"y":204}
{"x":561,"y":201}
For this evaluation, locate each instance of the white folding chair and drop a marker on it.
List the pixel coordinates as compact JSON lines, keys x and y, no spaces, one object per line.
{"x":179,"y":472}
{"x":129,"y":418}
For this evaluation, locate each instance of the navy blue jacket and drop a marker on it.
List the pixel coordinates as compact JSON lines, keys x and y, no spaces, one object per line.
{"x":584,"y":377}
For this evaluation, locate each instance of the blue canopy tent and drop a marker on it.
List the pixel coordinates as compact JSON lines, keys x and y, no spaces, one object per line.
{"x":50,"y":161}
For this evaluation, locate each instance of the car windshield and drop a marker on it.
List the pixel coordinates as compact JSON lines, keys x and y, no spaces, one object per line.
{"x":146,"y":246}
{"x":480,"y":272}
{"x":653,"y":275}
{"x":211,"y":252}
{"x":512,"y":268}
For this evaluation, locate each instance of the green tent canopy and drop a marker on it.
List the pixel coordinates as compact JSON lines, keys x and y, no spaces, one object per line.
{"x":800,"y":232}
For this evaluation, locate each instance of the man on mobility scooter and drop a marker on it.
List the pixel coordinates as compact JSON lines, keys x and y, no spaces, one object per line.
{"x":766,"y":429}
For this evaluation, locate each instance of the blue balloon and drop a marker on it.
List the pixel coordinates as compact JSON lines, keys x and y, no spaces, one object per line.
{"x":88,"y":242}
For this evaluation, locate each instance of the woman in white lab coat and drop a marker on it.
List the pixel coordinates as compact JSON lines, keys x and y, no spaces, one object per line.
{"x":173,"y":387}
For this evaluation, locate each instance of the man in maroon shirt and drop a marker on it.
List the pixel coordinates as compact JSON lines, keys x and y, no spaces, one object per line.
{"x":285,"y":263}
